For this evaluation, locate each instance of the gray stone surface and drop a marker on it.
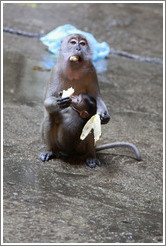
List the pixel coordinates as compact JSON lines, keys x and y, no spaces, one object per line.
{"x":68,"y":202}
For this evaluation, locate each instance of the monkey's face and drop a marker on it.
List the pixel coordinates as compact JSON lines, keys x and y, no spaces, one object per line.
{"x":78,"y":102}
{"x":86,"y":103}
{"x":75,"y":49}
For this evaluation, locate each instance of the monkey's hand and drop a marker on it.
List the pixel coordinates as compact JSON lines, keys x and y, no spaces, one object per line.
{"x":102,"y":111}
{"x":64,"y":102}
{"x":104,"y":117}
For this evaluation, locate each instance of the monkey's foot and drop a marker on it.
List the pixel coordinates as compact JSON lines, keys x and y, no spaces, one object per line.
{"x":92,"y":162}
{"x":46,"y":156}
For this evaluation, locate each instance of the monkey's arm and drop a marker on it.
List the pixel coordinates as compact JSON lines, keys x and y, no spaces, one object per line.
{"x":93,"y":89}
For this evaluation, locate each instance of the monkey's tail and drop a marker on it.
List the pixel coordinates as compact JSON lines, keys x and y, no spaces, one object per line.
{"x":121,"y":144}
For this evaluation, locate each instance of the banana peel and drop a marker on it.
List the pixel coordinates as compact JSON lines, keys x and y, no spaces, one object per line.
{"x":95,"y":124}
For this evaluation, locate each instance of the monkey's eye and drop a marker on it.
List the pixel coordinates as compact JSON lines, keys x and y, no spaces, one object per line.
{"x":73,"y":42}
{"x":82,"y":43}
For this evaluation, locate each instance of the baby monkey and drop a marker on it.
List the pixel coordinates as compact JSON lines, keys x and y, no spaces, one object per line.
{"x":81,"y":107}
{"x":85,"y":105}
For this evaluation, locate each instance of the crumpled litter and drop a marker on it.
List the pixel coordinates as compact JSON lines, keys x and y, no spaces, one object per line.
{"x":53,"y":41}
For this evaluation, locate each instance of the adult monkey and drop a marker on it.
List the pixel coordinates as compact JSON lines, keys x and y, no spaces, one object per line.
{"x":74,"y":68}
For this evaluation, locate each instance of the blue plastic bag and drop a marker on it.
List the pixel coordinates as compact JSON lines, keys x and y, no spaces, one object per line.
{"x":53,"y":40}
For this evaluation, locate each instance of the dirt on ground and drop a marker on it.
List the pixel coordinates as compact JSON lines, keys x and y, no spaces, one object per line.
{"x":66,"y":201}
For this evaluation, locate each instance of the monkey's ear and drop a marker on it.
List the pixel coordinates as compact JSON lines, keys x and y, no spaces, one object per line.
{"x":84,"y":114}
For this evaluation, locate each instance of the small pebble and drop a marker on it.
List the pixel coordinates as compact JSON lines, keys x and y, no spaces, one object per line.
{"x":10,"y":183}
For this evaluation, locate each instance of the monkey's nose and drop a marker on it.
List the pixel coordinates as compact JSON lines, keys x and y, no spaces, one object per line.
{"x":78,"y":48}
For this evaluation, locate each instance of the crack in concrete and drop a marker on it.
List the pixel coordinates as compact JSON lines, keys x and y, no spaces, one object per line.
{"x":20,"y":32}
{"x":136,"y":57}
{"x":125,"y":54}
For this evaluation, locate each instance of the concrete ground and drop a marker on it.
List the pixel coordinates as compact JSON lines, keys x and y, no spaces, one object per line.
{"x":68,"y":202}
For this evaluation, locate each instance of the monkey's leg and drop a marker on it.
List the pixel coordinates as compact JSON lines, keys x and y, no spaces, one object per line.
{"x":49,"y":136}
{"x":91,"y":159}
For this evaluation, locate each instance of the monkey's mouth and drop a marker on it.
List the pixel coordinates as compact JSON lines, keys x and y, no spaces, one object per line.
{"x":75,"y":59}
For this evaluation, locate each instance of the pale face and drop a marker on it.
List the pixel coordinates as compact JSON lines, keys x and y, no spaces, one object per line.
{"x":75,"y":49}
{"x":78,"y":102}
